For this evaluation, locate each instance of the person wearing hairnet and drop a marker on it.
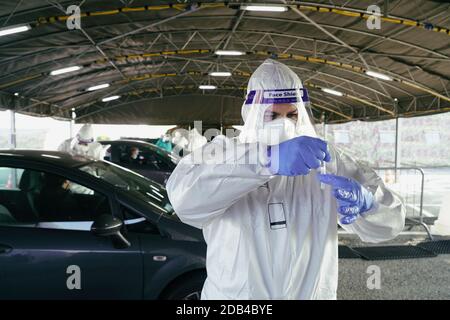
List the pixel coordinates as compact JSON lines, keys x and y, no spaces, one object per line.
{"x":83,"y":144}
{"x":271,"y":225}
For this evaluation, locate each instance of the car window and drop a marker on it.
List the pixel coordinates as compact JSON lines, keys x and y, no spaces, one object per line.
{"x":108,"y":152}
{"x":141,"y":157}
{"x":47,"y":200}
{"x":153,"y":160}
{"x":135,"y":185}
{"x":9,"y":177}
{"x":136,"y":223}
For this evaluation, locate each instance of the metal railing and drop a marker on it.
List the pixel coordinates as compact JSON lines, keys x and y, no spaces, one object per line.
{"x":412,"y":192}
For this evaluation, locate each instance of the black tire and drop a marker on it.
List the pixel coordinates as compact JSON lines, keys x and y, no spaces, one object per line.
{"x":188,"y":287}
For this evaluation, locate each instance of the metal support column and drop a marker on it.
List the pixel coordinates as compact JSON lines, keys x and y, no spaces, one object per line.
{"x":72,"y":122}
{"x":396,"y":148}
{"x":12,"y":137}
{"x":397,"y":141}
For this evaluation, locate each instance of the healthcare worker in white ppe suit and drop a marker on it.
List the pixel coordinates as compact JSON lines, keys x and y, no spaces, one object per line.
{"x":271,"y":225}
{"x":83,"y":144}
{"x":196,"y":140}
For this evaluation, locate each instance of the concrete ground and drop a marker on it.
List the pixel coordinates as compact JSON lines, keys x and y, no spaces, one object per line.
{"x":406,"y":279}
{"x":425,"y":278}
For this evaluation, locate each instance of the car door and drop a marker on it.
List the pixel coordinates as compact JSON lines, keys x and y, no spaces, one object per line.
{"x":47,"y":250}
{"x":164,"y":258}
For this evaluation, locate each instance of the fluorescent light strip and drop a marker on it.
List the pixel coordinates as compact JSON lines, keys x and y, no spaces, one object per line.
{"x":220,"y":74}
{"x":333,"y":92}
{"x":229,"y":53}
{"x":264,"y":8}
{"x":15,"y":29}
{"x":110,"y":98}
{"x":378,"y":75}
{"x":207,"y":87}
{"x":98,"y":87}
{"x":65,"y":70}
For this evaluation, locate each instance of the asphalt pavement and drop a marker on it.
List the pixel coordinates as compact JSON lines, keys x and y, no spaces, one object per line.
{"x":404,"y":279}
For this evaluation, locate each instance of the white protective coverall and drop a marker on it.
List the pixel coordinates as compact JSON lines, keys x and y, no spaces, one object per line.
{"x":179,"y":141}
{"x":196,"y":140}
{"x":271,"y":236}
{"x":83,"y":144}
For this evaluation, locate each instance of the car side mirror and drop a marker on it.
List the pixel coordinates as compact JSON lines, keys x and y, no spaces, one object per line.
{"x":108,"y":226}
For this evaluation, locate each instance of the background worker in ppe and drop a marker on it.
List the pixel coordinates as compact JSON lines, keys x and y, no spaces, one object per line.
{"x":164,"y":142}
{"x":196,"y":140}
{"x":179,"y":141}
{"x":270,"y":227}
{"x":83,"y":144}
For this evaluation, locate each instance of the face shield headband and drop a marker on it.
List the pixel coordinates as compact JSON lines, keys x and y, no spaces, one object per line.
{"x":277,"y":96}
{"x":258,"y":101}
{"x":84,"y":142}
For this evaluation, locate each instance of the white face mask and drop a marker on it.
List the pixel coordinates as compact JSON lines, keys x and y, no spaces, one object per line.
{"x":81,"y":149}
{"x":276,"y":131}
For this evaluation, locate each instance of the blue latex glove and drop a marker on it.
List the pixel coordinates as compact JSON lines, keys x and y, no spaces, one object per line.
{"x":352,"y":198}
{"x":297,"y":156}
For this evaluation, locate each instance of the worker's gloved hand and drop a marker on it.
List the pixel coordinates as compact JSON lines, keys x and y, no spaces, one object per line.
{"x":297,"y":156}
{"x":353,"y":199}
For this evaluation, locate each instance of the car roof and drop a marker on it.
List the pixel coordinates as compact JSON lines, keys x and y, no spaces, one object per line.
{"x":128,"y":141}
{"x":45,"y":156}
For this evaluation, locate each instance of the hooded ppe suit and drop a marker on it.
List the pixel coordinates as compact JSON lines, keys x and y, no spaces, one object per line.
{"x":196,"y":140}
{"x":273,"y":236}
{"x":180,"y":142}
{"x":83,"y":144}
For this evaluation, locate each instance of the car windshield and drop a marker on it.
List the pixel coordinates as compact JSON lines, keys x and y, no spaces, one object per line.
{"x":136,"y":185}
{"x":144,"y":148}
{"x":172,"y":156}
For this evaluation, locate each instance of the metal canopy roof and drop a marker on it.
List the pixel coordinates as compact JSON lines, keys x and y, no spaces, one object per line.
{"x":155,"y":54}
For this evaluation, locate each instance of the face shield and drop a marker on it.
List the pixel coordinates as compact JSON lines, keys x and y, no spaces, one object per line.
{"x":276,"y":106}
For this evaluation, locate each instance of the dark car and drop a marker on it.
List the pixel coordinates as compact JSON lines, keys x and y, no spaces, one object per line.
{"x":152,"y":162}
{"x":76,"y":228}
